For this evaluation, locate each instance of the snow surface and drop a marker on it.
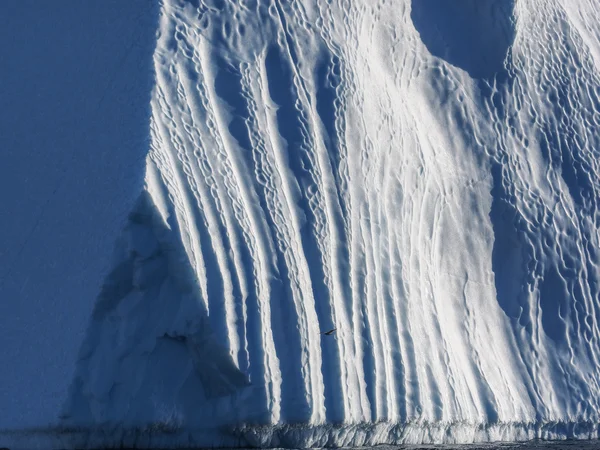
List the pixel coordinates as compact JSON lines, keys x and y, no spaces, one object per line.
{"x":420,"y":175}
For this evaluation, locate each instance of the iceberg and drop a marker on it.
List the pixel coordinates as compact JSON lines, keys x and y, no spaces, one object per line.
{"x":420,"y":176}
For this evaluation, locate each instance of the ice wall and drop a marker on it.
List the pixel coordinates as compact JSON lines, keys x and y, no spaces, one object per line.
{"x":420,"y":176}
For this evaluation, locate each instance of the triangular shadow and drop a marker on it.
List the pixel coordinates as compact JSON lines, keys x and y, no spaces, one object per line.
{"x":150,"y":355}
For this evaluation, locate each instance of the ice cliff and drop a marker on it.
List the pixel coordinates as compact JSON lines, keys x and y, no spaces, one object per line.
{"x":421,"y":176}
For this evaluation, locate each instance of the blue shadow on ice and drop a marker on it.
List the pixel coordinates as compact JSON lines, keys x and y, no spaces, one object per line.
{"x":474,"y":35}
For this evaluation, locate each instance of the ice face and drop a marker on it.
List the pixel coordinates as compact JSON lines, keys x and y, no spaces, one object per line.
{"x":420,"y":176}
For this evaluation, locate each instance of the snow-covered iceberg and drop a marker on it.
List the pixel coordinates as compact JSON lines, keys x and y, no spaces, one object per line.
{"x":420,"y":176}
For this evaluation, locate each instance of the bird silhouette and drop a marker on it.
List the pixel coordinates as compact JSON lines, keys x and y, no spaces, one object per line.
{"x":330,"y":332}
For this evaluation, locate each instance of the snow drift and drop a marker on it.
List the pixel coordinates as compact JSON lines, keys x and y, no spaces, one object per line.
{"x":421,"y":176}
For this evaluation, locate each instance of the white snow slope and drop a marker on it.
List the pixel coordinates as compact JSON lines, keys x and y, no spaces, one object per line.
{"x":420,"y":175}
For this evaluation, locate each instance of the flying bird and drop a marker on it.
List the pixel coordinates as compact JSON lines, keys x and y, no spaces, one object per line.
{"x":330,"y":332}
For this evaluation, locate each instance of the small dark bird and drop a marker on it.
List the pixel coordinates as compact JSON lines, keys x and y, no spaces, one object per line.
{"x":175,"y":337}
{"x":330,"y":332}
